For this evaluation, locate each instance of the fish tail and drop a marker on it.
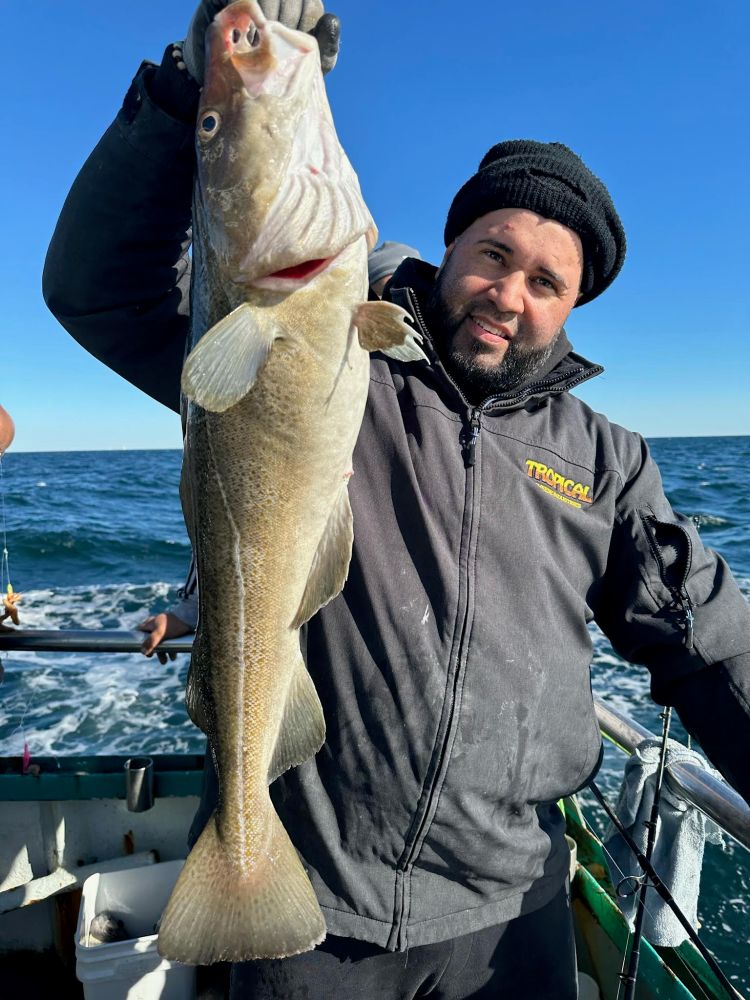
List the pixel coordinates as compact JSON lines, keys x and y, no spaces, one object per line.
{"x":219,"y":913}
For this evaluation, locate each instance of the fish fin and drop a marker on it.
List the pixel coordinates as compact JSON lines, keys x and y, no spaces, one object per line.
{"x":226,"y":361}
{"x":223,"y":911}
{"x":303,"y":729}
{"x":197,"y":698}
{"x":330,"y":563}
{"x":383,"y":326}
{"x":193,"y":696}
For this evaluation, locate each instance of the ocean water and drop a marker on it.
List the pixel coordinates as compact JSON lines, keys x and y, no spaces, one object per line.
{"x":96,"y":540}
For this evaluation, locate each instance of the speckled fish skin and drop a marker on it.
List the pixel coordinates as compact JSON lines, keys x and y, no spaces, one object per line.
{"x":264,"y":479}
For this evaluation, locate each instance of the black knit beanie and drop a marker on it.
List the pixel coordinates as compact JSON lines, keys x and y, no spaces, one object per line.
{"x":549,"y":179}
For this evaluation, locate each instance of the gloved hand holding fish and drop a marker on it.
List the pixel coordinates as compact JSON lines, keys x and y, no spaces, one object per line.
{"x":277,"y":382}
{"x":304,"y":15}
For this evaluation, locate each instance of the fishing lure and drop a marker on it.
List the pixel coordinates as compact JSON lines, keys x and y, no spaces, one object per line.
{"x":10,"y":600}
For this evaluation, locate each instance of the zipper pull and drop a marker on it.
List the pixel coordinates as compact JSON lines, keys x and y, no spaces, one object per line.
{"x":688,"y":618}
{"x":470,"y":441}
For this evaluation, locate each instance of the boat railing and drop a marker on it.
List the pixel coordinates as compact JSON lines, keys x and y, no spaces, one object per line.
{"x":85,"y":641}
{"x":713,"y":796}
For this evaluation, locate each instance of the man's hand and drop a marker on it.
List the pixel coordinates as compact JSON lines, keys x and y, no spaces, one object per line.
{"x":301,"y":15}
{"x":163,"y":626}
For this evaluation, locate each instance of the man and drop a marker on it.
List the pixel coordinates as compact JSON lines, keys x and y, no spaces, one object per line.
{"x":495,"y":516}
{"x":383,"y":261}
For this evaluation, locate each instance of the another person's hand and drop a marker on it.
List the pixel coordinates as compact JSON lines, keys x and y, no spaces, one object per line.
{"x":163,"y":626}
{"x":7,"y":430}
{"x":301,"y":15}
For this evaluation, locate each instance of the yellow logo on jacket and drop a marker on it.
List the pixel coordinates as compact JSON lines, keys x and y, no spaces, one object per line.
{"x":556,"y":485}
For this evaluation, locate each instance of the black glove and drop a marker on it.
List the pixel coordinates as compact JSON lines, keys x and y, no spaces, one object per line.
{"x":300,"y":15}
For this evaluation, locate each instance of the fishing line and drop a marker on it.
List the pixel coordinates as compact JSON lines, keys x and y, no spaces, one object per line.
{"x":4,"y":564}
{"x":655,"y":882}
{"x":698,"y":987}
{"x":651,"y":826}
{"x":6,"y":588}
{"x":623,"y":877}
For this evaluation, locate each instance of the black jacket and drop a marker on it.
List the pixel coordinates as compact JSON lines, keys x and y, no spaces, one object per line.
{"x":454,"y":667}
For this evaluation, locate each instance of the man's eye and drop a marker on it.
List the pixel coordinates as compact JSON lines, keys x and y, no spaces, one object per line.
{"x":493,"y":255}
{"x":546,"y":283}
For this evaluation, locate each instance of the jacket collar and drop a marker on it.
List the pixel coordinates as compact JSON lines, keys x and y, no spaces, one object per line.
{"x":410,"y":287}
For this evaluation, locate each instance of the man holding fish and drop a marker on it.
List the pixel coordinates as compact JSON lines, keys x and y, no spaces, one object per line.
{"x":417,"y":728}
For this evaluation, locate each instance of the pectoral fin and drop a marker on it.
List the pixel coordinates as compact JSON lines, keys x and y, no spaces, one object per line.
{"x":226,"y":361}
{"x":331,"y":561}
{"x":383,"y":326}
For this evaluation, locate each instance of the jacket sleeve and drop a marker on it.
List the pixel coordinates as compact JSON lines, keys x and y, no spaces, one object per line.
{"x":673,"y":605}
{"x":117,"y":273}
{"x":187,"y":607}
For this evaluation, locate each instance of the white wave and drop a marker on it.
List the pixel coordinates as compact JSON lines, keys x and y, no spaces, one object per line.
{"x":714,"y":520}
{"x":71,"y":703}
{"x":96,"y":704}
{"x":122,"y":606}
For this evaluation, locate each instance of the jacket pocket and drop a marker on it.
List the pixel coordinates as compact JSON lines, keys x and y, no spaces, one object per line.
{"x":672,"y":550}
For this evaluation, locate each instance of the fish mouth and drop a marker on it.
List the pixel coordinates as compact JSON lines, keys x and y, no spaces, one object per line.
{"x":295,"y":276}
{"x":267,"y":56}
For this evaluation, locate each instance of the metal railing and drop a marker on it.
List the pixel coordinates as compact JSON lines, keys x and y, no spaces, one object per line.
{"x":711,"y":795}
{"x":85,"y":641}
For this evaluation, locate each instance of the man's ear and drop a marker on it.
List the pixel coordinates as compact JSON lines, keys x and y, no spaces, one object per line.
{"x":446,"y":255}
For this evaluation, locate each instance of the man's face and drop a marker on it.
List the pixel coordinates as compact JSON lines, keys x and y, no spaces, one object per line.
{"x":503,"y":292}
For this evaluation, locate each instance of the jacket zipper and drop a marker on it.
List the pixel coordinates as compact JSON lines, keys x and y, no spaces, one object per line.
{"x":553,"y":385}
{"x":469,"y":441}
{"x":471,"y":436}
{"x":404,"y":867}
{"x":680,"y":596}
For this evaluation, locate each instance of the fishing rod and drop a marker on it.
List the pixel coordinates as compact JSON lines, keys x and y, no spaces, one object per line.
{"x":631,"y":973}
{"x":651,"y":875}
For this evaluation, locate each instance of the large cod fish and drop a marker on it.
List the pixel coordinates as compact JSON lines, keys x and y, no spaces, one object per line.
{"x":277,"y":381}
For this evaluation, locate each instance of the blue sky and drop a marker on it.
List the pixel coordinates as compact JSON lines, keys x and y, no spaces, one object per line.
{"x":653,"y":95}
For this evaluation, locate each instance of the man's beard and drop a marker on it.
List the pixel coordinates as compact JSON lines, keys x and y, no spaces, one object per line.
{"x":479,"y":381}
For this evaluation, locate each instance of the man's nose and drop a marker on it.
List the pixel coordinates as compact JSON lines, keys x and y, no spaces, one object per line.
{"x":508,"y":292}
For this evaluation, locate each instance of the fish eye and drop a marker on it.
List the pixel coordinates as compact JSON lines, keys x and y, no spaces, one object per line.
{"x":209,"y":125}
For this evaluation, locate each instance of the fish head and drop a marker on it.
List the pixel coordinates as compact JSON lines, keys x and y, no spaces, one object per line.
{"x":275,"y":190}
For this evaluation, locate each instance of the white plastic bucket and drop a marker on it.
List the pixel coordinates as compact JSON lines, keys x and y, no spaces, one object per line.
{"x":132,"y":969}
